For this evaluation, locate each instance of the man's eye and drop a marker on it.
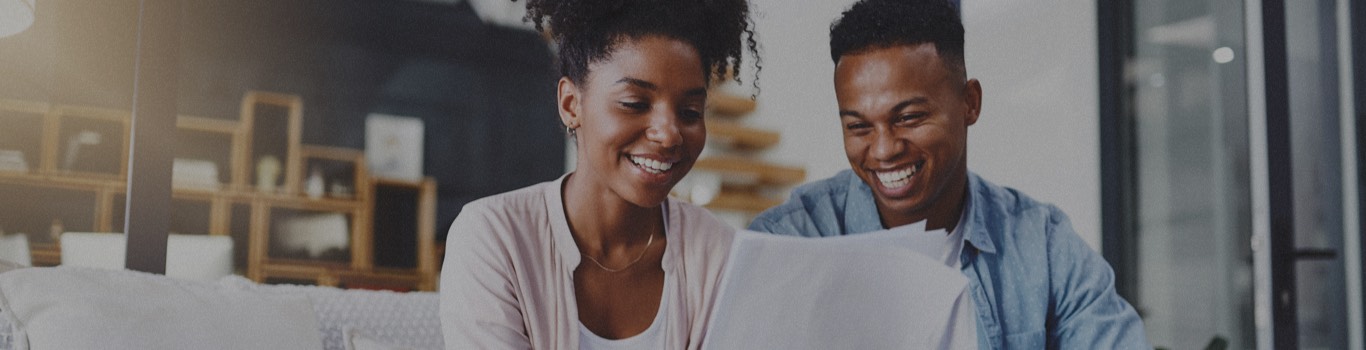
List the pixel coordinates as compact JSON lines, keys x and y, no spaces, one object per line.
{"x":856,"y":126}
{"x":910,"y":117}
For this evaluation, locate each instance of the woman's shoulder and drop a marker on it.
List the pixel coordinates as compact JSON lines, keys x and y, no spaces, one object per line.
{"x":501,"y":214}
{"x":699,"y":227}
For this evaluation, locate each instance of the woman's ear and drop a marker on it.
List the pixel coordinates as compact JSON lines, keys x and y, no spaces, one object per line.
{"x":568,"y":95}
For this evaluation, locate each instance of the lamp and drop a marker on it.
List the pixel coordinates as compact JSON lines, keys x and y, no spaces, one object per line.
{"x":15,"y":16}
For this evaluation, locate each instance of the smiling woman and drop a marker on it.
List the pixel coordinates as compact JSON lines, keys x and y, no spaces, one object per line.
{"x":632,"y":94}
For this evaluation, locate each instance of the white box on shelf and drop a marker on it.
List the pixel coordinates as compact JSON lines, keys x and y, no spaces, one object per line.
{"x":12,"y":160}
{"x":393,"y":146}
{"x":194,"y":173}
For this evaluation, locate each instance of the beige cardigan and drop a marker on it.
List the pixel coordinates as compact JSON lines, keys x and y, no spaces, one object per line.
{"x":508,"y":283}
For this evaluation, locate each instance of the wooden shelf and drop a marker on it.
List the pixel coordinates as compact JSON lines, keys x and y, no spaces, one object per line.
{"x":740,"y":137}
{"x":64,"y":181}
{"x":45,"y":254}
{"x":742,"y":201}
{"x":766,"y":174}
{"x":730,"y":105}
{"x":269,"y":123}
{"x":337,"y":274}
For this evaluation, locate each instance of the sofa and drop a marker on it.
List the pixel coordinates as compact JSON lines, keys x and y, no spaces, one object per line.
{"x":68,"y":307}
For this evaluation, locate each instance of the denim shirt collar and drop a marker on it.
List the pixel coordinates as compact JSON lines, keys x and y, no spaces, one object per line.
{"x":975,"y":227}
{"x":861,"y":213}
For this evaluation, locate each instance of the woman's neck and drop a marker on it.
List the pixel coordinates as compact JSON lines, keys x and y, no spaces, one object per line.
{"x":601,"y":221}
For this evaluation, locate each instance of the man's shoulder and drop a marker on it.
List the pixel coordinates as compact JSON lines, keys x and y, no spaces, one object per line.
{"x":826,"y":194}
{"x":1005,"y":202}
{"x":1008,"y":215}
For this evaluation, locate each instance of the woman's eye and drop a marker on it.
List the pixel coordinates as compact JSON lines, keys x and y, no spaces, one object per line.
{"x":692,"y":114}
{"x":635,"y":105}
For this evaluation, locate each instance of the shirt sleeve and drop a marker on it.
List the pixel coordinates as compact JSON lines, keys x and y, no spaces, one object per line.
{"x":1086,"y":312}
{"x":479,"y":308}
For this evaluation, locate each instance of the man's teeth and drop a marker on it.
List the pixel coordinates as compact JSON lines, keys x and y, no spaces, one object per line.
{"x":652,"y":165}
{"x":897,"y":178}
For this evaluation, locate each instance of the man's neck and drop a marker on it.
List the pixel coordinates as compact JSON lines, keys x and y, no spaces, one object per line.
{"x":942,"y":214}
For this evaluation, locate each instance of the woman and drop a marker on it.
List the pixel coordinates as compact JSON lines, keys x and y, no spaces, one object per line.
{"x":602,"y":258}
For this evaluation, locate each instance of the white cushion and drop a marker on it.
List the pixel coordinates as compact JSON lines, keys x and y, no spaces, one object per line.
{"x":197,"y":257}
{"x":81,"y":308}
{"x":14,"y":248}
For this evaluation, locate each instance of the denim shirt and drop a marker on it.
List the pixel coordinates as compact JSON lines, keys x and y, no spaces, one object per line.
{"x":1034,"y":283}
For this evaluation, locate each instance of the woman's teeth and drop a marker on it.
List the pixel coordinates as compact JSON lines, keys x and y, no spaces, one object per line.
{"x":652,"y":165}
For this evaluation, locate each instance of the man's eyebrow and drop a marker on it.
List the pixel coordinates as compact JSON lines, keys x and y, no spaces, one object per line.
{"x":908,"y":102}
{"x":900,"y":105}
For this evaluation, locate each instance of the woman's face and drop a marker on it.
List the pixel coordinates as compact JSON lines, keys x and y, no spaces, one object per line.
{"x":639,"y":118}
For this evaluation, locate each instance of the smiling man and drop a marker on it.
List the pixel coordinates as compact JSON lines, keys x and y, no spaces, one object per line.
{"x":905,"y":105}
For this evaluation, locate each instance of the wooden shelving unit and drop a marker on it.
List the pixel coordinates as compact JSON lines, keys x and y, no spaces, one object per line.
{"x":738,"y":179}
{"x":238,"y":206}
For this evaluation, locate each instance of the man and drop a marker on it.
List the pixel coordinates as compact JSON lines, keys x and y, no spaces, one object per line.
{"x":905,"y":105}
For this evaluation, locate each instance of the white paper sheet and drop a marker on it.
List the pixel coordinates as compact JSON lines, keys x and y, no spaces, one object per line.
{"x":873,"y":290}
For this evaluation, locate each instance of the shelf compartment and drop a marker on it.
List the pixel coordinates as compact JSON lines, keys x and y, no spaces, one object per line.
{"x":44,"y":213}
{"x":23,"y":133}
{"x":209,"y":140}
{"x":403,"y":227}
{"x":341,"y":172}
{"x":273,"y":125}
{"x":87,"y":141}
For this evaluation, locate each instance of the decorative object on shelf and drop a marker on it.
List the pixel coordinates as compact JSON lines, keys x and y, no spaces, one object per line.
{"x":699,"y":187}
{"x":393,"y":146}
{"x":195,"y":174}
{"x":340,"y":190}
{"x":13,"y":160}
{"x":74,"y":144}
{"x":267,"y":173}
{"x":314,"y":185}
{"x":55,"y":231}
{"x":16,"y":16}
{"x":313,"y":234}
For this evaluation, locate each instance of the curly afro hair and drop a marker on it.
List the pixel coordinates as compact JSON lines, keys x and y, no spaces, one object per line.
{"x":588,"y":31}
{"x":877,"y":24}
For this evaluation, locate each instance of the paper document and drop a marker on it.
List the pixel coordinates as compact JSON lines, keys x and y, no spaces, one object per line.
{"x":874,"y":290}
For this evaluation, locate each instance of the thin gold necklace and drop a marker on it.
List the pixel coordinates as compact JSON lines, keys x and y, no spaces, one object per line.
{"x":623,"y":268}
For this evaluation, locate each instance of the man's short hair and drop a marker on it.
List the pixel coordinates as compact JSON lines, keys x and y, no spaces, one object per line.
{"x":878,"y":24}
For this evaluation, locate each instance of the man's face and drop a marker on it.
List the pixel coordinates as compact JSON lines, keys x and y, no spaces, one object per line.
{"x":905,"y":116}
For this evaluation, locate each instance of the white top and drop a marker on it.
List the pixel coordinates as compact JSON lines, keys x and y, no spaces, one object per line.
{"x":508,"y":278}
{"x":651,"y":338}
{"x":937,"y":245}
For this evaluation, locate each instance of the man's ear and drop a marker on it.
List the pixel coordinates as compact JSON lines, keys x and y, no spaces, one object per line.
{"x":568,"y":95}
{"x":972,"y":96}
